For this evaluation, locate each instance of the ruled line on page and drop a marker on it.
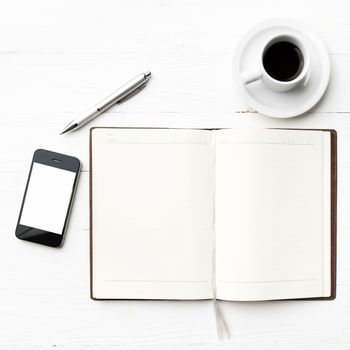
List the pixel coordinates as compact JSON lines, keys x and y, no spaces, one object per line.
{"x":273,"y":281}
{"x":152,"y":281}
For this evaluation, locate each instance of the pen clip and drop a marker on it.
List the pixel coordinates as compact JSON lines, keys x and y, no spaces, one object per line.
{"x":133,"y":93}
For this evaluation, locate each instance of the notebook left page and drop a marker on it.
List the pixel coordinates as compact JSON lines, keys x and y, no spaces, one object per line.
{"x":152,"y":213}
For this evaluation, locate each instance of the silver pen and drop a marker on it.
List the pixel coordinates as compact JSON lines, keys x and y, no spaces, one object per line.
{"x":118,"y":96}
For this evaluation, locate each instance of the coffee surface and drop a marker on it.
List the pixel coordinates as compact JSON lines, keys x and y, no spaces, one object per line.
{"x":283,"y":61}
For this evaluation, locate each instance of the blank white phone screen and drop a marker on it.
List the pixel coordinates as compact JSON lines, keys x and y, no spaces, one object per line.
{"x":47,"y":200}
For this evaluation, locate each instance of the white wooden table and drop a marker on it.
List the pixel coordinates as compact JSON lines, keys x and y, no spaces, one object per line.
{"x":57,"y":58}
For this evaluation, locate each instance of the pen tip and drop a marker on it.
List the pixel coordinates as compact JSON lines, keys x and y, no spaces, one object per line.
{"x":69,"y":127}
{"x":148,"y":74}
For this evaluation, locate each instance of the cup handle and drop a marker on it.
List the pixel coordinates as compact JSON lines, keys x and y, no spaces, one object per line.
{"x":249,"y":76}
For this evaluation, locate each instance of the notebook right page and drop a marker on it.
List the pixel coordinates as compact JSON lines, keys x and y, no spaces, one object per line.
{"x":272,"y":214}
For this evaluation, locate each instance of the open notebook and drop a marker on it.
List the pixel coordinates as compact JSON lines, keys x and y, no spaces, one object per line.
{"x":198,"y":214}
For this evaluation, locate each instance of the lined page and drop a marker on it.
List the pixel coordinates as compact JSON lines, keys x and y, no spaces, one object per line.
{"x":272,"y":214}
{"x":152,"y":213}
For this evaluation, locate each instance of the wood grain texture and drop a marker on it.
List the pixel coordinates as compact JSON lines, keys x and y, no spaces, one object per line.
{"x":57,"y":58}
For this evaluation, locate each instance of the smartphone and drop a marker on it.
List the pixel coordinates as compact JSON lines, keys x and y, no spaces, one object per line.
{"x":48,"y":198}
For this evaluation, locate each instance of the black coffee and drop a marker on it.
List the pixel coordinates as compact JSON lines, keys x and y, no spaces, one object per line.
{"x":283,"y":61}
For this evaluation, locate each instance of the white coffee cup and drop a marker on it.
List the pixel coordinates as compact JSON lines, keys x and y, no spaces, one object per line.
{"x":260,"y":73}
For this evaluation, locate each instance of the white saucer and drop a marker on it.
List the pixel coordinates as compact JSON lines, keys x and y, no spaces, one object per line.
{"x":281,"y":104}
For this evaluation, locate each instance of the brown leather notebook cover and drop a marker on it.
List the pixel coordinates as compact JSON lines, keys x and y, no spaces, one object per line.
{"x":333,"y":134}
{"x":334,"y":212}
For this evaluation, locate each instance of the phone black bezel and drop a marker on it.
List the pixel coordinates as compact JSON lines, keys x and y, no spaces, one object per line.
{"x":56,"y":160}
